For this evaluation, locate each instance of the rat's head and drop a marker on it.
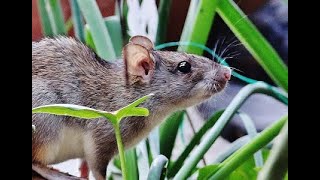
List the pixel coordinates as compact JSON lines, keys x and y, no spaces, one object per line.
{"x":174,"y":77}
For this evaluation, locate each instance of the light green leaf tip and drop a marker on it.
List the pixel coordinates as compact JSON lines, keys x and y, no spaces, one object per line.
{"x":132,"y":110}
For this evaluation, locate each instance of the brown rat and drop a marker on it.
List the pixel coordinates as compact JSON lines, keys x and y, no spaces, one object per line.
{"x":66,"y":71}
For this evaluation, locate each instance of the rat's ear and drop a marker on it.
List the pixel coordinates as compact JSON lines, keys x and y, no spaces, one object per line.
{"x":138,"y":62}
{"x":142,"y":41}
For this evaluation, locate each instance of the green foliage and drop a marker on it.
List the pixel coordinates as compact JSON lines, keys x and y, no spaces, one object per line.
{"x":114,"y":117}
{"x":107,"y":36}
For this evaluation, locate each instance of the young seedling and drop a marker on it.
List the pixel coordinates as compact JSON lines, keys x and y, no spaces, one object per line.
{"x":88,"y":113}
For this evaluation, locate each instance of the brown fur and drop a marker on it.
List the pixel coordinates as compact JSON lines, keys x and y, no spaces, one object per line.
{"x":66,"y":71}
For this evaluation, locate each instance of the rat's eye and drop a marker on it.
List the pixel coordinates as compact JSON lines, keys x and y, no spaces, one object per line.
{"x":184,"y":67}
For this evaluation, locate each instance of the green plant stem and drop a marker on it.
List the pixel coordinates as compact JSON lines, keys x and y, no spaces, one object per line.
{"x":44,"y":17}
{"x":157,"y":168}
{"x":277,"y":162}
{"x":99,"y":32}
{"x":200,"y":26}
{"x":252,"y":132}
{"x":215,"y":131}
{"x":174,"y":167}
{"x":234,"y":161}
{"x":234,"y":146}
{"x":164,"y":10}
{"x":253,"y":40}
{"x":121,"y":150}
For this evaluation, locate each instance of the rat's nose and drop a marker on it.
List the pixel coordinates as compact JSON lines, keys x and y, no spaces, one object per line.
{"x":224,"y":74}
{"x":226,"y":71}
{"x":227,"y":75}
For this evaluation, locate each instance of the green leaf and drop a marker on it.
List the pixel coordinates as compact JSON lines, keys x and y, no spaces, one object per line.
{"x":243,"y":154}
{"x":78,"y":24}
{"x":56,"y":17}
{"x":100,"y":34}
{"x":142,"y":159}
{"x":207,"y":171}
{"x":253,"y":40}
{"x":158,"y":168}
{"x":139,"y":111}
{"x":154,"y":143}
{"x":168,"y":133}
{"x":88,"y":38}
{"x":247,"y":171}
{"x":131,"y":162}
{"x":132,"y":110}
{"x":74,"y":111}
{"x":114,"y":28}
{"x":44,"y":17}
{"x":234,"y":146}
{"x":174,"y":168}
{"x":252,"y":132}
{"x":164,"y":10}
{"x":277,"y":163}
{"x":215,"y":131}
{"x":200,"y":25}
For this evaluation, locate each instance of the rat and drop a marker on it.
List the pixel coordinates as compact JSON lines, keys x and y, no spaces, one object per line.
{"x":66,"y":71}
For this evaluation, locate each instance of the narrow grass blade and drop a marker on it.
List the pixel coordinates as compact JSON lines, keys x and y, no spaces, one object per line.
{"x":100,"y":34}
{"x":199,"y":26}
{"x":57,"y":22}
{"x":78,"y":24}
{"x":164,"y":10}
{"x":248,"y":150}
{"x":253,"y":40}
{"x":44,"y":17}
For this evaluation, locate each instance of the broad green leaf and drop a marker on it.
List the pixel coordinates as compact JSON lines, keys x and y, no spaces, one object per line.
{"x":207,"y":171}
{"x":74,"y":111}
{"x":137,"y":111}
{"x":132,"y":110}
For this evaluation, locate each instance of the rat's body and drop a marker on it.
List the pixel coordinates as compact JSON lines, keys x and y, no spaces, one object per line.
{"x":66,"y":71}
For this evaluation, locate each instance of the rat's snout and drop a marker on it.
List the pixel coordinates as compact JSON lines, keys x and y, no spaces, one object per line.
{"x":224,"y":74}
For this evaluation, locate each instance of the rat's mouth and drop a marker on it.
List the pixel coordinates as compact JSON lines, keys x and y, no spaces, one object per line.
{"x":217,"y":86}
